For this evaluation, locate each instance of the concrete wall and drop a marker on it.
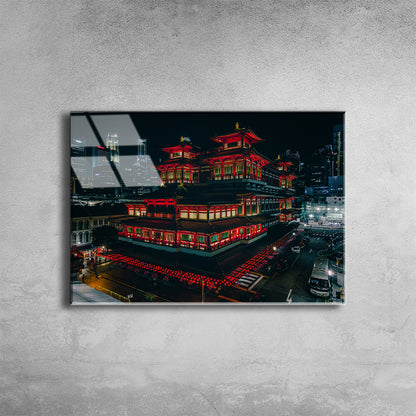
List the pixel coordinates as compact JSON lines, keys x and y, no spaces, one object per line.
{"x":357,"y":56}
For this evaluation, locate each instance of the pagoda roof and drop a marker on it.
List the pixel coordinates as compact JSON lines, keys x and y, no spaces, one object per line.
{"x":154,"y":223}
{"x":235,"y":151}
{"x":239,"y":134}
{"x":180,"y":160}
{"x":205,"y":227}
{"x":184,"y":145}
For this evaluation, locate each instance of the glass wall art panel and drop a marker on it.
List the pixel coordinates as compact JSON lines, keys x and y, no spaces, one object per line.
{"x":209,"y":208}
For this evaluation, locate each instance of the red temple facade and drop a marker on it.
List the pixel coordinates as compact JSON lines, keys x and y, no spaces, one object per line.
{"x":214,"y":200}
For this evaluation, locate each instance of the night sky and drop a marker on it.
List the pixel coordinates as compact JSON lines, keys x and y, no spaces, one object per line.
{"x":304,"y":132}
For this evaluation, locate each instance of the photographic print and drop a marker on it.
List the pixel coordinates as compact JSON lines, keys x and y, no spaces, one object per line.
{"x":207,"y":208}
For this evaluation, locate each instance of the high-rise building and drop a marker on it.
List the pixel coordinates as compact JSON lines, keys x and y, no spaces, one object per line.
{"x":338,"y":143}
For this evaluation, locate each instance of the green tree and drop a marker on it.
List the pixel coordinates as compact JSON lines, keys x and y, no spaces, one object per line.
{"x":105,"y":236}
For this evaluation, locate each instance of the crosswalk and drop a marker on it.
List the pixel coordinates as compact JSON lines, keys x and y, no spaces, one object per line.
{"x":248,"y":280}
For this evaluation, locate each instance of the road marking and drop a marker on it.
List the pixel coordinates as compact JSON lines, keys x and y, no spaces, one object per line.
{"x":289,"y":299}
{"x":255,"y":283}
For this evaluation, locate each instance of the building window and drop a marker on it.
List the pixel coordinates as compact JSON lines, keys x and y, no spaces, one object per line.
{"x":170,"y":237}
{"x":87,"y":224}
{"x":225,"y":235}
{"x":240,"y":209}
{"x":241,"y":231}
{"x":228,"y":169}
{"x":186,"y":175}
{"x":186,"y":237}
{"x":157,"y":235}
{"x":248,"y":231}
{"x":138,"y":231}
{"x":95,"y":222}
{"x":163,"y":176}
{"x":217,"y":170}
{"x":183,"y":213}
{"x":259,"y":227}
{"x":195,"y":176}
{"x":87,"y":237}
{"x":211,"y":215}
{"x":201,"y":239}
{"x":74,"y":238}
{"x":145,"y":233}
{"x":81,"y":238}
{"x":214,"y":238}
{"x":129,"y":230}
{"x":202,"y":215}
{"x":80,"y":225}
{"x":178,"y":175}
{"x":239,"y":168}
{"x":193,"y":214}
{"x":131,"y":211}
{"x":233,"y":144}
{"x":170,"y":175}
{"x":176,"y":154}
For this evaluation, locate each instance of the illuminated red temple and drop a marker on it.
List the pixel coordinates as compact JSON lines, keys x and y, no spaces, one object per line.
{"x":213,"y":200}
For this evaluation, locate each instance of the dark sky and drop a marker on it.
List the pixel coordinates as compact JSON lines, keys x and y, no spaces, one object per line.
{"x":300,"y":131}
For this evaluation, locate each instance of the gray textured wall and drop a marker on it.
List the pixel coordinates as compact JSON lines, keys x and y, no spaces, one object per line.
{"x":357,"y":56}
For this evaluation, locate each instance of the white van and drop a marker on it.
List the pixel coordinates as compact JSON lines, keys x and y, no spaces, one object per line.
{"x":319,"y":283}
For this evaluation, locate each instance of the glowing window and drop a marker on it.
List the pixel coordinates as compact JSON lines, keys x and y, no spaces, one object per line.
{"x":228,"y":169}
{"x":170,"y":237}
{"x":202,"y":215}
{"x":186,"y":237}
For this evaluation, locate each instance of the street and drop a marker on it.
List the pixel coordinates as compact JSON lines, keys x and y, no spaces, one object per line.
{"x":291,"y":286}
{"x":272,"y":284}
